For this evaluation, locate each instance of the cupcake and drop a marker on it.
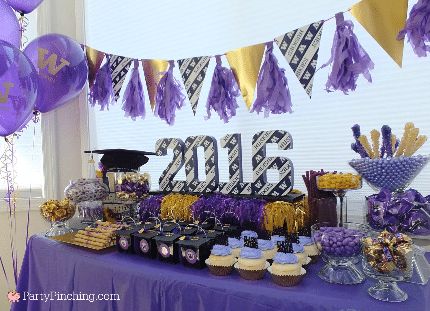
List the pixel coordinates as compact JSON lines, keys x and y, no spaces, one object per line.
{"x":220,"y":261}
{"x":286,"y":269}
{"x":268,"y":248}
{"x":286,"y":264}
{"x":251,"y":264}
{"x":310,"y":247}
{"x":235,"y":246}
{"x":221,"y":256}
{"x":299,"y":251}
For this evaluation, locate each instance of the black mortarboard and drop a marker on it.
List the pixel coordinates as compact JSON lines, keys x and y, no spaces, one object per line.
{"x":122,"y":158}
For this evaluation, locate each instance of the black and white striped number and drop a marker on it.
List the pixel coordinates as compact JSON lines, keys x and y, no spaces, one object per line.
{"x":166,"y":181}
{"x":261,"y":163}
{"x":211,"y":164}
{"x":235,"y":185}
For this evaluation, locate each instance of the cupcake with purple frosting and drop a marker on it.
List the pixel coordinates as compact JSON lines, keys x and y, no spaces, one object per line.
{"x":286,"y":269}
{"x":235,"y":245}
{"x":268,"y":248}
{"x":221,"y":260}
{"x":309,"y":246}
{"x":251,"y":264}
{"x":299,"y":251}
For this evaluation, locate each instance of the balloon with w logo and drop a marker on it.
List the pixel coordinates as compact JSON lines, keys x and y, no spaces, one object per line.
{"x":18,"y":89}
{"x":62,"y":68}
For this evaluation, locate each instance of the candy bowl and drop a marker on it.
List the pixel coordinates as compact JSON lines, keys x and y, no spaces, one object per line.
{"x":388,"y":259}
{"x":340,"y":248}
{"x":394,"y":174}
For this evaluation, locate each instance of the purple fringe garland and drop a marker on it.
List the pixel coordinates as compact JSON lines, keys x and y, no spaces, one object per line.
{"x":418,"y":28}
{"x":150,"y":207}
{"x":169,"y":96}
{"x":101,"y":92}
{"x":273,"y":94}
{"x":348,"y":59}
{"x":134,"y":100}
{"x":223,"y":93}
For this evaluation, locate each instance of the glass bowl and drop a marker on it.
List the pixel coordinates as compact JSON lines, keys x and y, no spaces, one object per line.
{"x":393,"y":174}
{"x":340,"y":248}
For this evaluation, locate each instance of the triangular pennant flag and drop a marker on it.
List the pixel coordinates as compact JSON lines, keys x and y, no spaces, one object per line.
{"x":300,"y":48}
{"x":193,"y":72}
{"x":95,"y":59}
{"x":119,"y":66}
{"x":245,"y":63}
{"x":153,"y":69}
{"x":383,"y":19}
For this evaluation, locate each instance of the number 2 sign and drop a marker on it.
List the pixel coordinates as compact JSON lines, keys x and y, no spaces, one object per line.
{"x":185,"y":154}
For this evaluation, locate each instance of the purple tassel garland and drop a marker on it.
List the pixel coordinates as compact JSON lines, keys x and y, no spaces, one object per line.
{"x":169,"y":96}
{"x":101,"y":92}
{"x":273,"y":94}
{"x":418,"y":28}
{"x":223,"y":93}
{"x":348,"y":59}
{"x":133,"y":99}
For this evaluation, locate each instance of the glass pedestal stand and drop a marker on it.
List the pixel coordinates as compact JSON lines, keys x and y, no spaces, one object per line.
{"x":58,"y":228}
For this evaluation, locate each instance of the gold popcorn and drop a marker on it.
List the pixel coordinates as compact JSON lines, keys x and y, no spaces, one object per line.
{"x":55,"y":210}
{"x":338,"y":181}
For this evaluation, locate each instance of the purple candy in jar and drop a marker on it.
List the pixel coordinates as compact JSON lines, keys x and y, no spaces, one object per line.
{"x":339,"y":241}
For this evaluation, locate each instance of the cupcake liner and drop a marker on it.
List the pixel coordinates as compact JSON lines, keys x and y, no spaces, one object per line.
{"x":218,"y":270}
{"x":308,"y":261}
{"x":287,"y":280}
{"x":252,"y":274}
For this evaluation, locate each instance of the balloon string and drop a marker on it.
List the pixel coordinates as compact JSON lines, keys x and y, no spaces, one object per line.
{"x":14,"y":211}
{"x":4,"y":272}
{"x":23,"y":24}
{"x":30,"y":195}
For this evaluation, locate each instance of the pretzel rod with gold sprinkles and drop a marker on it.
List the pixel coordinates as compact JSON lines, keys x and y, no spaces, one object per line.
{"x":365,"y":143}
{"x":375,"y":135}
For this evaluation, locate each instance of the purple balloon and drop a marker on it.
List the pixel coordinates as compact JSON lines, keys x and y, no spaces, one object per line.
{"x":62,"y":68}
{"x":24,"y":6}
{"x":9,"y":30}
{"x":18,"y":89}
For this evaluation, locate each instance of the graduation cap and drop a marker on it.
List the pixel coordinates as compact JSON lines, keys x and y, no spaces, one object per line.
{"x":285,"y":247}
{"x":122,"y":158}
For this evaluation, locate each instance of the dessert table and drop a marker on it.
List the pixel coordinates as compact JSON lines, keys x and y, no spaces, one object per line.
{"x":145,"y":284}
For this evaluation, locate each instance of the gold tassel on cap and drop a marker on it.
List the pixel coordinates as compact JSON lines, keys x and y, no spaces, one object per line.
{"x":245,"y":63}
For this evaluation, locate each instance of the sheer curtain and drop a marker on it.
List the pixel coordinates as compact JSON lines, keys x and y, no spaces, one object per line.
{"x":320,"y":127}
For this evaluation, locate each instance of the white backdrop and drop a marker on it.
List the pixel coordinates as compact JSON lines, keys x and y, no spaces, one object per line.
{"x":320,"y":127}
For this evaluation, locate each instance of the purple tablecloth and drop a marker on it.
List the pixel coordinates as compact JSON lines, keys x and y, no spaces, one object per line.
{"x":145,"y":284}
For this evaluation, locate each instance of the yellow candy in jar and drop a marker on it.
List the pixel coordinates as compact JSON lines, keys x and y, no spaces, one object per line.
{"x":339,"y":181}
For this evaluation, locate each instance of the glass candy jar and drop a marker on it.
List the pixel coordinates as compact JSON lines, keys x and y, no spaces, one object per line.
{"x":86,"y":189}
{"x":57,"y":212}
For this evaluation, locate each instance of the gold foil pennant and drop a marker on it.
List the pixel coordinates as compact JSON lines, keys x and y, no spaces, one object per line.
{"x":245,"y":63}
{"x":95,"y":59}
{"x":153,"y":69}
{"x":384,"y":19}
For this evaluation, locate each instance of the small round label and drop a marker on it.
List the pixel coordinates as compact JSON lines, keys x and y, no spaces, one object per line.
{"x":123,"y":243}
{"x":191,"y":256}
{"x":164,"y":250}
{"x":144,"y":246}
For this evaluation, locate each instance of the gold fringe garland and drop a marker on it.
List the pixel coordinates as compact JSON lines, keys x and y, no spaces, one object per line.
{"x":177,"y":206}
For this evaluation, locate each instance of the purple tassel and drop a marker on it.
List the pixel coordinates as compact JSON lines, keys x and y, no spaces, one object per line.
{"x":418,"y":28}
{"x":386,"y":141}
{"x":273,"y":94}
{"x":169,"y":96}
{"x":348,"y":59}
{"x":133,"y":100}
{"x":101,"y":92}
{"x":223,"y":93}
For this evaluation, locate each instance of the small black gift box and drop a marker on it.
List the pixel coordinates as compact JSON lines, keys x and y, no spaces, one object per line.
{"x":213,"y":235}
{"x":144,"y":243}
{"x":194,"y":250}
{"x":230,"y":231}
{"x":170,"y":226}
{"x":167,"y":250}
{"x":208,"y":224}
{"x":124,"y":239}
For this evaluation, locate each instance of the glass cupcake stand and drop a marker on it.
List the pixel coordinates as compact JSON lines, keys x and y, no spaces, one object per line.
{"x":396,"y":174}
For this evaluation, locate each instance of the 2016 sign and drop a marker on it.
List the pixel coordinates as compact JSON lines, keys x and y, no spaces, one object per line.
{"x":186,"y":154}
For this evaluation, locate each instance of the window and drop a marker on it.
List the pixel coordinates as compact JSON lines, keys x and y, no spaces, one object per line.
{"x":28,"y":164}
{"x":320,"y":127}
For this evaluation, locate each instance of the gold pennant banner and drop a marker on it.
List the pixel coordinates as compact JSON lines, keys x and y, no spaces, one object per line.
{"x":383,"y":19}
{"x":245,"y":63}
{"x":95,"y":59}
{"x":153,"y":69}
